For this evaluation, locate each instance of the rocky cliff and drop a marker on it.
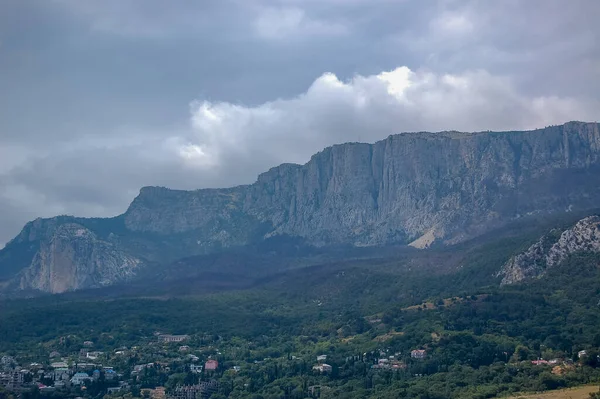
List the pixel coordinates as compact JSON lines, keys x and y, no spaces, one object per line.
{"x":447,"y":186}
{"x":552,"y":249}
{"x":419,"y":188}
{"x":72,"y":257}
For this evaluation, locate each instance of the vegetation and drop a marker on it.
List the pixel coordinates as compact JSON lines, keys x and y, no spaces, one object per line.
{"x":480,"y":339}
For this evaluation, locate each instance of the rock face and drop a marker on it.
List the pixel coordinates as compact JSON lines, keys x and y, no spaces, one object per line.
{"x":448,"y":186}
{"x":420,"y":188}
{"x":551,"y":250}
{"x":73,"y":258}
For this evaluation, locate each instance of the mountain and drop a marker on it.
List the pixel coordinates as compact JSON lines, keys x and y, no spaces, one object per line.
{"x":420,"y":189}
{"x":447,"y":186}
{"x":553,"y":249}
{"x":67,"y":257}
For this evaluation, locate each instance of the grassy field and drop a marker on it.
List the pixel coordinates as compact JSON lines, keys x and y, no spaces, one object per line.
{"x":571,"y":393}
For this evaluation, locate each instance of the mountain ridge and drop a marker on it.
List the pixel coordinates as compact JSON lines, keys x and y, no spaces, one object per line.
{"x":432,"y":188}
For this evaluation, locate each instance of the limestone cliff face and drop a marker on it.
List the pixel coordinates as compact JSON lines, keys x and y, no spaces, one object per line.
{"x":551,"y":250}
{"x":73,"y":257}
{"x":447,"y":186}
{"x":419,"y":188}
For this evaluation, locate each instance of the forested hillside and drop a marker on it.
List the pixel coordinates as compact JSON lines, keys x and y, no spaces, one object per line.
{"x":480,"y":339}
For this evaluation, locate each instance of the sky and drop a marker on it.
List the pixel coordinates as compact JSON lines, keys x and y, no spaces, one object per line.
{"x":101,"y":97}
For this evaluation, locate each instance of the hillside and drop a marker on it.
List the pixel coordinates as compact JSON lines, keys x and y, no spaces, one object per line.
{"x":413,"y":188}
{"x":482,"y":340}
{"x":552,"y":249}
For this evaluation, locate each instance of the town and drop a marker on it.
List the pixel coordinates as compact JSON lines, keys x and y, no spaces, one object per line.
{"x":194,"y":366}
{"x":164,"y":366}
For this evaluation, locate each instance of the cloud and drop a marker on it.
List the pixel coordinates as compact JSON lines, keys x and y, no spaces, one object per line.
{"x":368,"y":108}
{"x":153,"y":19}
{"x":227,"y":144}
{"x":454,"y":24}
{"x":292,"y":23}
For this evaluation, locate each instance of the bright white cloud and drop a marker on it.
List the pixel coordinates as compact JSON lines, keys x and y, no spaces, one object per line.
{"x":369,"y":108}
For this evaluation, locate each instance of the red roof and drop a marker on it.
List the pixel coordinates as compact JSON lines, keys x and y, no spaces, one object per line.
{"x":211,"y":364}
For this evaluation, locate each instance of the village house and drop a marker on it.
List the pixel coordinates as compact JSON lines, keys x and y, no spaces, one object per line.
{"x":12,"y":379}
{"x":85,"y":366}
{"x":172,"y":338}
{"x":200,"y":390}
{"x":88,"y":344}
{"x":321,"y":358}
{"x":211,"y":364}
{"x":184,"y":348}
{"x":540,"y":362}
{"x":139,"y":367}
{"x":581,"y":354}
{"x":60,"y":374}
{"x":44,"y":390}
{"x":418,"y":354}
{"x":93,"y":355}
{"x":398,"y":365}
{"x":323,"y":368}
{"x":110,"y":375}
{"x":59,"y":365}
{"x":80,"y":378}
{"x":196,"y":368}
{"x":388,"y":364}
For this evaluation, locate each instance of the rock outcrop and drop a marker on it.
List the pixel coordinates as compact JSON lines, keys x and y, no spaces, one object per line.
{"x":420,"y":188}
{"x":73,"y":258}
{"x":553,"y":249}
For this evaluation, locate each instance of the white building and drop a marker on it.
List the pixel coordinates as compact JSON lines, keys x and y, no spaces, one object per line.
{"x":196,"y":368}
{"x":80,"y":378}
{"x":418,"y":354}
{"x":323,"y":368}
{"x":172,"y":338}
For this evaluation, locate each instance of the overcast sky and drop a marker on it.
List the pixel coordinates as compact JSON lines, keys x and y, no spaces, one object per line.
{"x":101,"y":97}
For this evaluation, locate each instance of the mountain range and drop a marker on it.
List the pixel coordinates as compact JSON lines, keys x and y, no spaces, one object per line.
{"x":422,"y":190}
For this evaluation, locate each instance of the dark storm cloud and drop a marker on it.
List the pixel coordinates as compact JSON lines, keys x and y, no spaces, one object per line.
{"x":99,"y":98}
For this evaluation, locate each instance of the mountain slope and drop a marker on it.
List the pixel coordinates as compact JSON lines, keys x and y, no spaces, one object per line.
{"x":72,"y":257}
{"x":444,"y":187}
{"x":553,"y":249}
